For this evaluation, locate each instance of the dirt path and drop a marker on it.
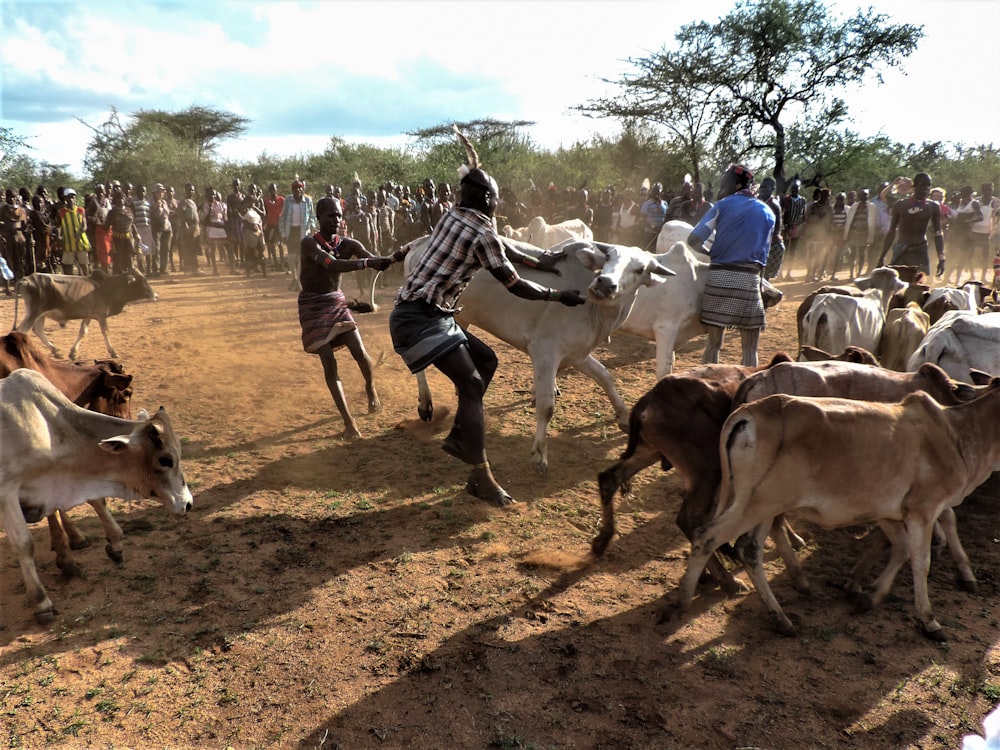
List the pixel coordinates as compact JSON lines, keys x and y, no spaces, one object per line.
{"x":333,"y":594}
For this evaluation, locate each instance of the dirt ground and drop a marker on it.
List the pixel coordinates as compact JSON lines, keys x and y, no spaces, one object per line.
{"x":334,"y":594}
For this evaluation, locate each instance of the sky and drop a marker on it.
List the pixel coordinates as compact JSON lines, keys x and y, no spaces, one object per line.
{"x":370,"y":71}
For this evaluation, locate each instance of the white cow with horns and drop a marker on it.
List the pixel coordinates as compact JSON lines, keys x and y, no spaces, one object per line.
{"x":553,"y":335}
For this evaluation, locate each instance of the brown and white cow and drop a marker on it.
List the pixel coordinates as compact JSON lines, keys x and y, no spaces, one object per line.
{"x":102,"y":387}
{"x":55,"y":455}
{"x":84,"y":298}
{"x":825,"y":459}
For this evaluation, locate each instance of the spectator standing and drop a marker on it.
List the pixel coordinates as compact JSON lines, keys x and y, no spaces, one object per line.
{"x":966,"y":215}
{"x":73,"y":233}
{"x":124,"y":236}
{"x":776,"y":252}
{"x":793,"y":213}
{"x":298,"y":218}
{"x":604,"y":215}
{"x":910,"y":217}
{"x":652,"y":217}
{"x":859,"y":230}
{"x":273,"y":205}
{"x":14,"y":225}
{"x":984,"y":230}
{"x":143,"y":225}
{"x":187,"y":232}
{"x":98,"y":206}
{"x":161,"y":259}
{"x":40,"y":220}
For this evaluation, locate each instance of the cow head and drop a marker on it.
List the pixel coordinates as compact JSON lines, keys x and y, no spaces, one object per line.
{"x":139,"y":288}
{"x":620,"y":270}
{"x":154,"y":449}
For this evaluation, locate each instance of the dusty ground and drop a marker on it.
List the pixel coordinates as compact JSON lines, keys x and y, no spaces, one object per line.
{"x":333,"y":594}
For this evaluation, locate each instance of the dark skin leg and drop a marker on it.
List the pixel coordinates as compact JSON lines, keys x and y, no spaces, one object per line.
{"x":470,"y":385}
{"x":357,"y":349}
{"x":337,"y":391}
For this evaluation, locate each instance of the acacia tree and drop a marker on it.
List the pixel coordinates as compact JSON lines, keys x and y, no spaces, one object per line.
{"x":766,"y":64}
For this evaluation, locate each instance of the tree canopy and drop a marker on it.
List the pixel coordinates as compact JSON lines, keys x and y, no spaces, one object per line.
{"x":745,"y":78}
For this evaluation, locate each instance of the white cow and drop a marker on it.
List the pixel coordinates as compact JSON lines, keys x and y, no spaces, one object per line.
{"x":55,"y":455}
{"x":553,"y":335}
{"x":544,"y":235}
{"x":670,"y":314}
{"x":959,"y":342}
{"x":671,"y":233}
{"x":837,"y":321}
{"x":945,"y":298}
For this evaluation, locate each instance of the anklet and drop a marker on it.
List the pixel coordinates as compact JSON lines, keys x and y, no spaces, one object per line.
{"x":484,"y":465}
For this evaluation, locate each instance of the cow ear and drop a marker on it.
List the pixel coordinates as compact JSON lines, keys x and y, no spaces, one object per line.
{"x":592,"y":259}
{"x":978,"y":377}
{"x":115,"y":444}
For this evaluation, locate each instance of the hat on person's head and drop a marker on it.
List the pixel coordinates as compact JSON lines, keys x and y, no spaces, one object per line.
{"x":68,"y":191}
{"x":743,"y":173}
{"x":158,"y":187}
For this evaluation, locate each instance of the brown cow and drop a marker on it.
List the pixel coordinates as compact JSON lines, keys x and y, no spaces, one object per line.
{"x":850,"y":354}
{"x":826,"y":459}
{"x":84,"y":298}
{"x":904,"y":329}
{"x":677,"y":424}
{"x":102,"y":387}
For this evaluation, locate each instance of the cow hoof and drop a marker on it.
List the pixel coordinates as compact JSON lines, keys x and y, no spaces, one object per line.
{"x":785,"y":627}
{"x":79,"y":543}
{"x":425,"y":413}
{"x":600,"y":544}
{"x":113,"y":354}
{"x":971,"y":586}
{"x":69,"y":568}
{"x":734,"y":587}
{"x":862,"y":602}
{"x":114,"y":554}
{"x":46,"y":617}
{"x":936,"y":633}
{"x":671,"y":610}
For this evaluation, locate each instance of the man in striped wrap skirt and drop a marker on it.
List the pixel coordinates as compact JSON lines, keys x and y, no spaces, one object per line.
{"x":732,"y":299}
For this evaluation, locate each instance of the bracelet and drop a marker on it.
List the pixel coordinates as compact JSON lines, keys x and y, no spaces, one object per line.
{"x":552,"y":295}
{"x":364,"y":262}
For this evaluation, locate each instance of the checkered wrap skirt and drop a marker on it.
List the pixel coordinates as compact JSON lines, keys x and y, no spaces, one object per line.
{"x":732,"y":296}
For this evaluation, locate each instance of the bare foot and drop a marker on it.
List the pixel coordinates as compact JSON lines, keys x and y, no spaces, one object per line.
{"x":374,"y":402}
{"x":351,"y":432}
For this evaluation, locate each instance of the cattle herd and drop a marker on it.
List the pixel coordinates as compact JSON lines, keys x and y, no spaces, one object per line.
{"x":838,"y":442}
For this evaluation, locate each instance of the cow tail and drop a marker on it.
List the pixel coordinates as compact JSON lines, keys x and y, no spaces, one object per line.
{"x":732,"y":430}
{"x":822,"y":336}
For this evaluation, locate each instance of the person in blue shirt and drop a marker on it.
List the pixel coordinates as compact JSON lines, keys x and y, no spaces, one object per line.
{"x":732,"y":299}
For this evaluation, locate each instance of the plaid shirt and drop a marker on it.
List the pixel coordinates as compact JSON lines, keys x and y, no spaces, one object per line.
{"x":462,"y":242}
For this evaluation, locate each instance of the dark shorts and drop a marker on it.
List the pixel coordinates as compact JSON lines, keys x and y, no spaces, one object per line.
{"x":911,"y":255}
{"x":422,"y":334}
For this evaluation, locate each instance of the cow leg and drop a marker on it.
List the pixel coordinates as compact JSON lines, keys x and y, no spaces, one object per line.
{"x":752,"y":554}
{"x":60,"y":545}
{"x":696,"y":510}
{"x":666,"y":341}
{"x":610,"y":481}
{"x":19,"y":536}
{"x":919,"y":532}
{"x":74,"y":351}
{"x":38,"y":326}
{"x":112,"y":531}
{"x":77,"y":539}
{"x":966,"y":578}
{"x":716,"y":337}
{"x":785,"y":545}
{"x":749,"y":340}
{"x":103,"y":323}
{"x":545,"y":403}
{"x":897,"y":535}
{"x":425,"y":404}
{"x":600,"y":375}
